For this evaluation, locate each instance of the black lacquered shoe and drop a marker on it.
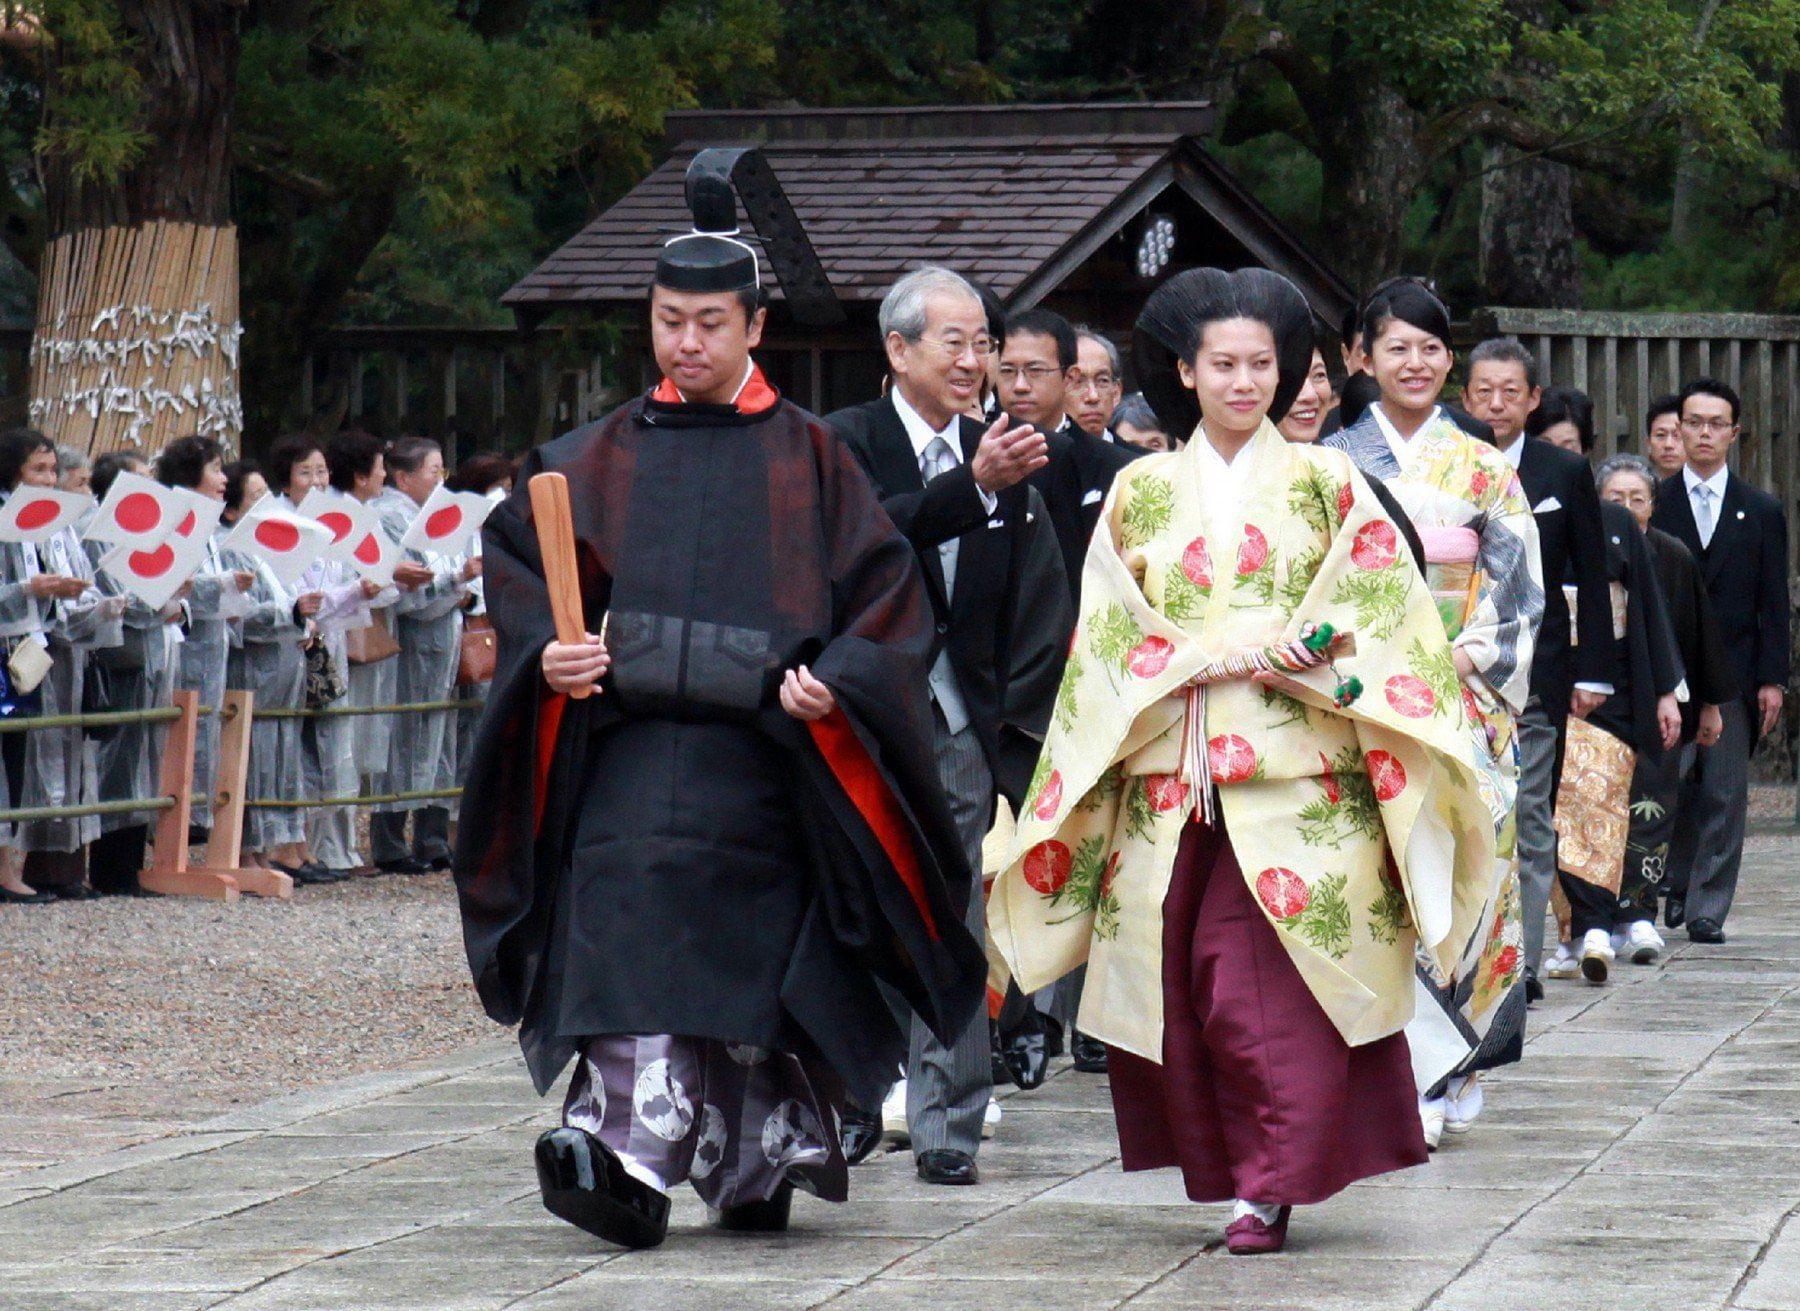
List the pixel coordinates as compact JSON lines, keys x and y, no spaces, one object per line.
{"x":766,"y":1217}
{"x":1089,"y":1053}
{"x":1675,"y":912}
{"x":1027,"y":1057}
{"x":946,"y":1165}
{"x":861,"y":1134}
{"x":585,"y":1183}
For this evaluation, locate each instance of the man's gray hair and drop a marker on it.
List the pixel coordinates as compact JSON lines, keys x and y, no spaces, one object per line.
{"x":69,"y":458}
{"x":903,"y":308}
{"x":1505,"y":350}
{"x":1117,"y":361}
{"x":1626,"y":462}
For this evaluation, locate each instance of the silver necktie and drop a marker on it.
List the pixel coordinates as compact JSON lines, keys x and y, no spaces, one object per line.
{"x":939,"y":458}
{"x":1704,"y":515}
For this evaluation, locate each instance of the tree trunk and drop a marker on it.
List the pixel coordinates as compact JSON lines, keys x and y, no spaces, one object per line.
{"x":1368,"y":147}
{"x":137,"y":330}
{"x":1528,"y":231}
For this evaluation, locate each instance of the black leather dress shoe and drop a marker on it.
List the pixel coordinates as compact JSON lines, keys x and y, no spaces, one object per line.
{"x":766,"y":1217}
{"x":998,"y":1073}
{"x":1675,"y":912}
{"x":1705,"y":930}
{"x":404,"y":865}
{"x":10,"y":898}
{"x":946,"y":1165}
{"x":861,"y":1134}
{"x":1534,"y":990}
{"x":1089,"y":1053}
{"x":583,"y":1182}
{"x":76,"y":892}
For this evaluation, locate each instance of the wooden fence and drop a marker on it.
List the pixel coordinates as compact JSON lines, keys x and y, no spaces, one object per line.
{"x":1625,"y":361}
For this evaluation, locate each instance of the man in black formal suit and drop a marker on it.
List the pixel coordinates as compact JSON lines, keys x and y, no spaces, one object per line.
{"x":1568,"y":671}
{"x":1040,"y":354}
{"x":1739,"y":535}
{"x":960,"y":496}
{"x":1095,"y":384}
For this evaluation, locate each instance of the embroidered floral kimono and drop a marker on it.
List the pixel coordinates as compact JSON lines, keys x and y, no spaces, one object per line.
{"x":1483,"y":569}
{"x":1358,"y":830}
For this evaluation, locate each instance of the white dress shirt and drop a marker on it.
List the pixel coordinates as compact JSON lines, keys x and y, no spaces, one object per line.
{"x":1706,"y":509}
{"x":1516,"y":451}
{"x":922,"y":434}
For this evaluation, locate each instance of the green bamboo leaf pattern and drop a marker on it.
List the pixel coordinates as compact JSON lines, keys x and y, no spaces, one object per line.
{"x":1148,"y":510}
{"x":1379,"y":598}
{"x":1301,"y":571}
{"x":1106,"y":788}
{"x":1114,"y":634}
{"x":1437,"y":670}
{"x":1313,"y":497}
{"x":1068,"y":693}
{"x":1089,"y":888}
{"x":1325,"y":923}
{"x":1347,"y":807}
{"x":1293,"y":710}
{"x":1388,"y":916}
{"x":1181,"y":599}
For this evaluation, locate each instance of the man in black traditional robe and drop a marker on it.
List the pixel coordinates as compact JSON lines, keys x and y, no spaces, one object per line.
{"x":692,"y":881}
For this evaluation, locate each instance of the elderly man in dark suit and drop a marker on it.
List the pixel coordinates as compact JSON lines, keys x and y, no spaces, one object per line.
{"x":1566,"y":677}
{"x":994,"y":576}
{"x":1739,"y":535}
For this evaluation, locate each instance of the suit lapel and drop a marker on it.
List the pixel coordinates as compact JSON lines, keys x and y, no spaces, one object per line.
{"x":1679,"y":516}
{"x":1728,"y":531}
{"x":897,"y":470}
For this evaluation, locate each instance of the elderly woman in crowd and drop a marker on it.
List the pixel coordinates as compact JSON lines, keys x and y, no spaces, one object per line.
{"x":428,"y":627}
{"x":298,"y":468}
{"x":215,"y":596}
{"x":268,"y":660}
{"x":1136,"y":424}
{"x":140,"y":675}
{"x":27,"y":594}
{"x":61,"y":765}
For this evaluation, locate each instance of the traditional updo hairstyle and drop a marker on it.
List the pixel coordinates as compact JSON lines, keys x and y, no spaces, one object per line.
{"x":1410,"y":301}
{"x":1175,"y":319}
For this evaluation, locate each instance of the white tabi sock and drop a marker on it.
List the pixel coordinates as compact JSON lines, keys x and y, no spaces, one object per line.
{"x":1264,"y":1211}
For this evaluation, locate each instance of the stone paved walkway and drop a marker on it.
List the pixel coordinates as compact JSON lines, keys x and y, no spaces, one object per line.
{"x":1645,"y":1155}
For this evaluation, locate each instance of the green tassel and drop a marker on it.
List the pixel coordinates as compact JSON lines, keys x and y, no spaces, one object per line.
{"x":1319,"y":638}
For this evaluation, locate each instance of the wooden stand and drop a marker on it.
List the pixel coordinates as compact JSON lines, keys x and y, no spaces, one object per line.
{"x":224,"y":849}
{"x":169,"y":873}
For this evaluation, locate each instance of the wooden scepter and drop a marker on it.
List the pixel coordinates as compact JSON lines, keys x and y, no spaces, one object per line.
{"x":556,"y":543}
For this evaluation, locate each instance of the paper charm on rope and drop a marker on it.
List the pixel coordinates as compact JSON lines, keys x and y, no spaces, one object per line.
{"x":447,"y":522}
{"x":357,"y":537}
{"x":32,"y":514}
{"x":155,"y":574}
{"x":283,"y":540}
{"x":137,"y":511}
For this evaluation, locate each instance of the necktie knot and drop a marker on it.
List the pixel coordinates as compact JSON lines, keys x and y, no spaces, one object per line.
{"x":937,"y":458}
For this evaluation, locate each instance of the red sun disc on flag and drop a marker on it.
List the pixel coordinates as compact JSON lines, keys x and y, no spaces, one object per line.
{"x":277,"y":536}
{"x":186,"y":527}
{"x":37,"y":514}
{"x":338,"y":522}
{"x":444,"y":522}
{"x":368,"y":550}
{"x":153,"y":564}
{"x":137,"y":513}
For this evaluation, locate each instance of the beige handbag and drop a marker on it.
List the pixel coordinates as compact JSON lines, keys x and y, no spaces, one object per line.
{"x":371,"y":645}
{"x":29,"y":665}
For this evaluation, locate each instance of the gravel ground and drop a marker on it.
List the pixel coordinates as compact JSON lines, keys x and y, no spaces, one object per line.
{"x":127,"y":1018}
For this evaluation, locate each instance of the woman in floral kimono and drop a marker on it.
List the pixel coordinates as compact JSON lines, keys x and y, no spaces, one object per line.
{"x":1482,"y":565}
{"x":1252,"y":624}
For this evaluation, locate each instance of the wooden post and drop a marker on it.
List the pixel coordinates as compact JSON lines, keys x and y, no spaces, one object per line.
{"x":224,"y":849}
{"x":169,"y":873}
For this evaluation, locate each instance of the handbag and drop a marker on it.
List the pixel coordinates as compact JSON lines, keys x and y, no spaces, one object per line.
{"x":324,"y":684}
{"x":371,"y":645}
{"x":28,"y":665}
{"x":475,"y":664}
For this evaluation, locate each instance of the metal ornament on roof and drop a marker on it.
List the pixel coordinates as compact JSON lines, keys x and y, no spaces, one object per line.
{"x":1156,"y":247}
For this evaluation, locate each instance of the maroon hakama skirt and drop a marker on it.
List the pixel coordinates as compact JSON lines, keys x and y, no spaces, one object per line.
{"x":1258,"y":1097}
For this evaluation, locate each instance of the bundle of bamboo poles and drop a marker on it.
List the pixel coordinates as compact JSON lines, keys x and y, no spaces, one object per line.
{"x":137,"y":337}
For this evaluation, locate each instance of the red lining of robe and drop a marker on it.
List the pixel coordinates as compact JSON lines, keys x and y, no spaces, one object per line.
{"x":862,"y":783}
{"x":549,"y":721}
{"x":756,"y":396}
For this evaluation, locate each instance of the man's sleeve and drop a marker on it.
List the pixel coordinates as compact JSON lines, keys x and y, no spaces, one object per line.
{"x":1587,"y":554}
{"x":1773,"y":656}
{"x":946,"y":507}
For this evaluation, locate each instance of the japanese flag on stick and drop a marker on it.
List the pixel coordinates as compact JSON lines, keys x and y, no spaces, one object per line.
{"x":286,"y":542}
{"x":32,"y":514}
{"x":137,"y":511}
{"x":447,"y":522}
{"x":154,"y":575}
{"x":357,"y":537}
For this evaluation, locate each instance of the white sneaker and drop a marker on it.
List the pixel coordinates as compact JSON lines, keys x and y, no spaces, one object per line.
{"x":1431,"y":1115}
{"x":893,"y":1111}
{"x":1564,"y":964}
{"x":1643,"y":943}
{"x":1596,"y":955}
{"x":1462,"y":1104}
{"x":990,"y":1119}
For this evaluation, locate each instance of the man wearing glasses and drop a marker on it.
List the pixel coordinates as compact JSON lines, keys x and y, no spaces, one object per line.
{"x":1095,"y":384}
{"x":1739,"y":536}
{"x":993,"y":575}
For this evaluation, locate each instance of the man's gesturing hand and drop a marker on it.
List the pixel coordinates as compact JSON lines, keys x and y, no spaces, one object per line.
{"x":805,"y":697}
{"x":1008,"y":454}
{"x":572,"y":665}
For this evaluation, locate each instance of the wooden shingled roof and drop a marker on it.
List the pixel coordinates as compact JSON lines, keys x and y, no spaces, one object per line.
{"x":1008,"y":196}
